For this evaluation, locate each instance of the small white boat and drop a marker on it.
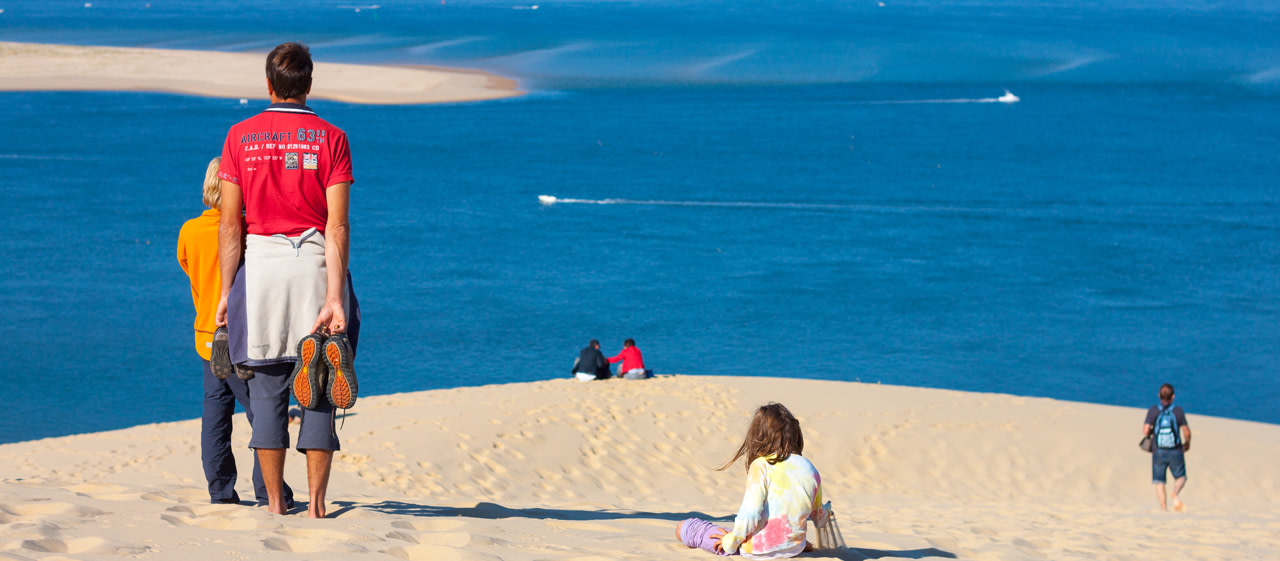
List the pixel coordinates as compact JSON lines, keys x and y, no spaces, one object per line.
{"x":546,"y":199}
{"x":1008,"y":97}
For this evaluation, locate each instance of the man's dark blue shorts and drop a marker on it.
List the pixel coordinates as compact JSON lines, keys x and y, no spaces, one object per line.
{"x":269,"y":397}
{"x":1167,"y":459}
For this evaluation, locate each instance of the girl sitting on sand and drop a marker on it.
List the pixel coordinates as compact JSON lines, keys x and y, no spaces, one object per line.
{"x":783,"y":493}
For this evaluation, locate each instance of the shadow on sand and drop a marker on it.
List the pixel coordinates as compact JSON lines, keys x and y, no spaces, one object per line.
{"x":491,"y":511}
{"x":861,"y":553}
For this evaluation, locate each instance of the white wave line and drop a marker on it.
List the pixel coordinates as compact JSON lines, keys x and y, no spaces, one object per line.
{"x":539,"y":55}
{"x":549,"y":200}
{"x":1008,"y":97}
{"x":1070,"y":65}
{"x":907,"y":101}
{"x":432,"y":47}
{"x":703,"y":67}
{"x":354,"y":40}
{"x":39,"y":157}
{"x":1263,"y":76}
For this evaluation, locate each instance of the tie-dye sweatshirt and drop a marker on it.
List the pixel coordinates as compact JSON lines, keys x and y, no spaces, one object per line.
{"x":779,"y":500}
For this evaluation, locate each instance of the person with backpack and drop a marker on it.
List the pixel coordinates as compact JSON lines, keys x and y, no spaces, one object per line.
{"x":1166,"y":424}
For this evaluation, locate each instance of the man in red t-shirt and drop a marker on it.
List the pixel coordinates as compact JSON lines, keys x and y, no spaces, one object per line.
{"x":289,"y":171}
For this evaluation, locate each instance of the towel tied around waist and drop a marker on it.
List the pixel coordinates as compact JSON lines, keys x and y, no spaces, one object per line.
{"x":277,"y":294}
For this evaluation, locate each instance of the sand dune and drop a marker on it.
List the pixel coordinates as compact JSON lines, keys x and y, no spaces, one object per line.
{"x":33,"y":67}
{"x":603,"y":470}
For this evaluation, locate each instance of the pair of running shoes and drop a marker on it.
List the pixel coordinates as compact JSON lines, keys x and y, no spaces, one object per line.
{"x":324,"y":369}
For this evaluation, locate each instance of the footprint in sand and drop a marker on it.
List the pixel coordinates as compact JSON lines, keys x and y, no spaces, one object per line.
{"x":105,"y":492}
{"x":42,"y":509}
{"x":431,"y":525}
{"x":212,"y":517}
{"x":428,"y":552}
{"x":190,"y":495}
{"x":583,"y":526}
{"x":444,"y":539}
{"x":158,"y":498}
{"x":544,"y":548}
{"x":482,"y":457}
{"x":310,"y":545}
{"x":985,"y":531}
{"x":548,"y":475}
{"x":322,"y":534}
{"x":55,"y":545}
{"x":1031,"y":544}
{"x":212,"y":523}
{"x":313,"y":540}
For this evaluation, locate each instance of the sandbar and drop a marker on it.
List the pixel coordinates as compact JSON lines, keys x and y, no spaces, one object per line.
{"x":41,"y":67}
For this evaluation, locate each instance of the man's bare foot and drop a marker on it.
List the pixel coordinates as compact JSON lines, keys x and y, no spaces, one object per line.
{"x":277,"y":508}
{"x":315,"y":509}
{"x":1178,"y":506}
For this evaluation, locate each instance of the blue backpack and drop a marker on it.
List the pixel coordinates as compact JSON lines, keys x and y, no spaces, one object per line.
{"x":1166,"y":429}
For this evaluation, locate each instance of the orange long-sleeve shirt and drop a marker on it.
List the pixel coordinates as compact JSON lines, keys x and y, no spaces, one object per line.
{"x":198,"y":256}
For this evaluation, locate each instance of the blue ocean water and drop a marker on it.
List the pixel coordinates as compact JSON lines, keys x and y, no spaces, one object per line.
{"x":820,"y":191}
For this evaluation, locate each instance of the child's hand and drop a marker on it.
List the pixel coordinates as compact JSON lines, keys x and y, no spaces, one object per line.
{"x":715,"y":540}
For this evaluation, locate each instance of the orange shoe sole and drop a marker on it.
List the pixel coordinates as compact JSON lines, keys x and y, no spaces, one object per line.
{"x":342,"y":388}
{"x":307,"y":376}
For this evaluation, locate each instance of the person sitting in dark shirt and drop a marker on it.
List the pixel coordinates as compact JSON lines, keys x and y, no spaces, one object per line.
{"x":591,"y":364}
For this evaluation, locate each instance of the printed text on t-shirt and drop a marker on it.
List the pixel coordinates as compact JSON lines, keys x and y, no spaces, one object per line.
{"x":303,"y":135}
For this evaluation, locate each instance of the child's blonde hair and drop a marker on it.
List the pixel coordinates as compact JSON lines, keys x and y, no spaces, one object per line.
{"x":774,"y":433}
{"x":213,"y":185}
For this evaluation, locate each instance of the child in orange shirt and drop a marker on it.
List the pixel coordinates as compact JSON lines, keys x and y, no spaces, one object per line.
{"x":198,"y":256}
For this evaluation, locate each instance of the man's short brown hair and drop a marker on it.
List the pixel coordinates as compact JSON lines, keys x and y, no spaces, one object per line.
{"x":1166,"y":392}
{"x":289,"y":70}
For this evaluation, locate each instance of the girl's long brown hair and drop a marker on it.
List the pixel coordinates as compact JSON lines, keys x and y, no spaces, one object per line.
{"x":773,"y":432}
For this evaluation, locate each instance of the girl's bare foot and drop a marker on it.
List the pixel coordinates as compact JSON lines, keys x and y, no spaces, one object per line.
{"x":680,"y":532}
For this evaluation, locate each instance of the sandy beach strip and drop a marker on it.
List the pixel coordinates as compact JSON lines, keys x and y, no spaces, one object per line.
{"x":41,"y":67}
{"x":604,"y":470}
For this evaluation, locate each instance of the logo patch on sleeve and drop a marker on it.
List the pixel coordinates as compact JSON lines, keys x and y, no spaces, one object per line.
{"x":310,"y":161}
{"x":290,"y":160}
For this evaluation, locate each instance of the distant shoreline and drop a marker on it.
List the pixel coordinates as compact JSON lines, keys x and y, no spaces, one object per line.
{"x":49,"y":67}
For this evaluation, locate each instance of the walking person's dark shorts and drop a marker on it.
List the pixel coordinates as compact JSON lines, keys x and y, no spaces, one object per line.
{"x":1167,"y":460}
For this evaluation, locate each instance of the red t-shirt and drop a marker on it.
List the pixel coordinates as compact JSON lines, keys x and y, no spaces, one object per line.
{"x":284,"y":159}
{"x":631,"y":359}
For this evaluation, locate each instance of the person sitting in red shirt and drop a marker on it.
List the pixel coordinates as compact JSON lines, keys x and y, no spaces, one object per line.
{"x":632,"y":362}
